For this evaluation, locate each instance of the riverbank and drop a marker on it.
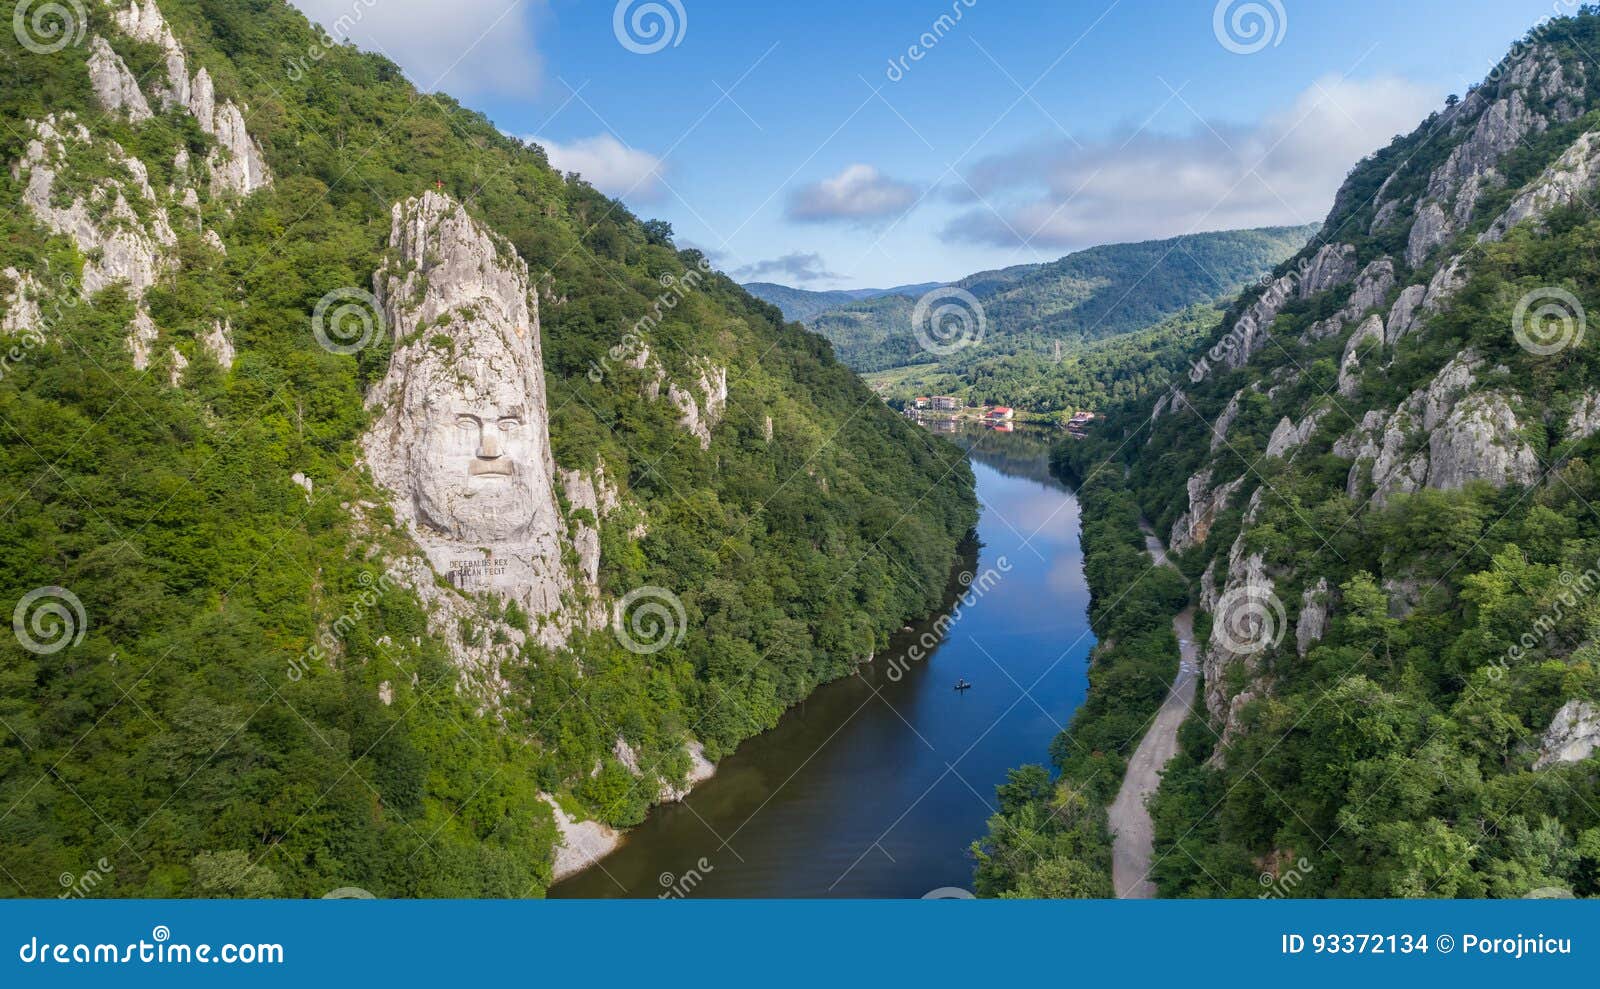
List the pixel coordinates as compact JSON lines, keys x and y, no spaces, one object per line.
{"x":1056,"y":837}
{"x":876,"y":783}
{"x":1133,"y":833}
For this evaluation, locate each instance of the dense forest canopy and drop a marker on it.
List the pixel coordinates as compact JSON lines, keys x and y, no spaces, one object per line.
{"x":254,"y":708}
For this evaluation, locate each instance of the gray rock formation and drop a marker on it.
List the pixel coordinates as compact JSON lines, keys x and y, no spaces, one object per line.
{"x":583,"y":843}
{"x":119,"y":243}
{"x":703,"y":411}
{"x":1313,"y":624}
{"x":1332,"y":266}
{"x":237,"y":166}
{"x":22,"y":313}
{"x":1573,"y":735}
{"x":1564,"y":183}
{"x":1481,"y":441}
{"x":1205,"y":502}
{"x":1363,"y":343}
{"x":1219,"y":430}
{"x":143,"y":22}
{"x":1585,"y":419}
{"x":460,"y":433}
{"x":591,"y":497}
{"x":141,"y":338}
{"x":114,"y":86}
{"x":1290,"y":436}
{"x":218,"y":342}
{"x":1403,"y":314}
{"x":1386,"y":445}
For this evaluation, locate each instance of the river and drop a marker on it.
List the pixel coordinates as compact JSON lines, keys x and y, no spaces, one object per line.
{"x":877,"y":784}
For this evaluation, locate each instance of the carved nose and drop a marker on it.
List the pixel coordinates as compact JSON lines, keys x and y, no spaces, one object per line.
{"x":488,"y":444}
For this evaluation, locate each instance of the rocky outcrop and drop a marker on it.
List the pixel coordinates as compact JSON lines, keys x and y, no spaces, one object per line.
{"x":1455,"y":187}
{"x":1562,"y":184}
{"x":1481,"y":441}
{"x":1245,"y":626}
{"x":143,"y":22}
{"x":1332,"y":266}
{"x":114,"y":86}
{"x":237,"y":166}
{"x":1219,"y":430}
{"x":460,"y":432}
{"x":1585,"y":419}
{"x":703,"y":411}
{"x":22,"y":313}
{"x":1250,"y":331}
{"x":218,"y":342}
{"x":1363,"y":343}
{"x":1290,"y":436}
{"x":700,"y":770}
{"x":590,"y":498}
{"x":142,"y":336}
{"x":1371,"y":289}
{"x":1384,"y":444}
{"x":1313,"y":623}
{"x":1573,"y":735}
{"x":1205,"y":502}
{"x":119,"y":242}
{"x":1403,"y":314}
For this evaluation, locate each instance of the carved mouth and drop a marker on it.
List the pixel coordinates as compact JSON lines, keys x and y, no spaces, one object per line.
{"x":490,"y":468}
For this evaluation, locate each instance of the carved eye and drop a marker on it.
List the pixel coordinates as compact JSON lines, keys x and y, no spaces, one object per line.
{"x":509,"y":423}
{"x":466,"y":424}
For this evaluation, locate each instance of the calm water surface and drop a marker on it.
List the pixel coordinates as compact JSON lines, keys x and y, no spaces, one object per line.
{"x":878,"y":783}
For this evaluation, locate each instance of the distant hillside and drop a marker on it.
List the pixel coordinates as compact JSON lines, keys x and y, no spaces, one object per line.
{"x":1093,"y":294}
{"x":801,"y":305}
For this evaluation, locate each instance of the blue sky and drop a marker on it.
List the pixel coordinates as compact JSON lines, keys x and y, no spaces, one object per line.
{"x":806,"y":143}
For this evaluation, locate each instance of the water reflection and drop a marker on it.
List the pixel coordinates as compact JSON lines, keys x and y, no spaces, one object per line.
{"x":877,"y":784}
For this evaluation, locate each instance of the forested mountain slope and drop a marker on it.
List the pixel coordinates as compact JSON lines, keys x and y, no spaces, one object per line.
{"x":802,"y":305}
{"x":1380,"y":476}
{"x":368,"y":487}
{"x":1088,"y":295}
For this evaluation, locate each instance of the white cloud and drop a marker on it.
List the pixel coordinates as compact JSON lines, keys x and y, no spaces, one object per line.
{"x":1282,"y":170}
{"x":858,"y":194}
{"x":463,"y":47}
{"x":609,"y":165}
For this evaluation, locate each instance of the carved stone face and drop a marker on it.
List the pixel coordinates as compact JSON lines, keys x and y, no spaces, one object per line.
{"x":475,"y":468}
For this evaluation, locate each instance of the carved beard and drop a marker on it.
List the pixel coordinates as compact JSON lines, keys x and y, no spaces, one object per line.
{"x":474,"y":509}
